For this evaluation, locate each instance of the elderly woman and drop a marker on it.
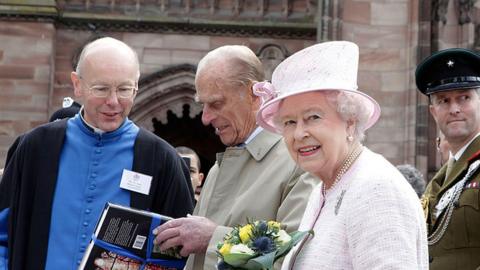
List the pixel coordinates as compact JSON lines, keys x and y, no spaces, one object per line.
{"x":364,"y":213}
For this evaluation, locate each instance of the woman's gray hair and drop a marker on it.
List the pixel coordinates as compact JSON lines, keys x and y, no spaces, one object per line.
{"x":350,"y":107}
{"x":414,"y":177}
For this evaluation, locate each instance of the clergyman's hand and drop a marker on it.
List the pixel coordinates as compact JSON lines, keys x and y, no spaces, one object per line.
{"x":192,"y":233}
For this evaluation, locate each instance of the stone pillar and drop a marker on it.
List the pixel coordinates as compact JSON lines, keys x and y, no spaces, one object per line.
{"x":328,"y":18}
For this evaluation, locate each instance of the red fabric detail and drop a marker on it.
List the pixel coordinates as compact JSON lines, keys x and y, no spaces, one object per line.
{"x":474,"y":156}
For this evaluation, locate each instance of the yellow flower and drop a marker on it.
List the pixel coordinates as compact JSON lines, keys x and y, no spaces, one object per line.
{"x":245,"y":233}
{"x":274,"y":224}
{"x":225,"y":249}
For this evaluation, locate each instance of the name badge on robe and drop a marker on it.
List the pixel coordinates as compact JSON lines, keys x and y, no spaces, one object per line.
{"x":136,"y":182}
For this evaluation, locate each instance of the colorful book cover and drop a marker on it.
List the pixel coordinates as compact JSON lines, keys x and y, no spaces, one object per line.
{"x":123,"y":239}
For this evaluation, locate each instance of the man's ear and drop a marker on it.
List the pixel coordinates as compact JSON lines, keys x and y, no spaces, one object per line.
{"x":135,"y":93}
{"x":77,"y":88}
{"x":256,"y":100}
{"x":432,"y":110}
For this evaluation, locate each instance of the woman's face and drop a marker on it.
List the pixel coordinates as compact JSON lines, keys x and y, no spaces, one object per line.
{"x":315,"y":134}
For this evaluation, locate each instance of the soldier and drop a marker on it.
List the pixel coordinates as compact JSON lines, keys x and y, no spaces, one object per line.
{"x":451,"y":80}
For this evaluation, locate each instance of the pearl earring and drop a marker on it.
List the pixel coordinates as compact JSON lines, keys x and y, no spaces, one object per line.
{"x":350,"y":138}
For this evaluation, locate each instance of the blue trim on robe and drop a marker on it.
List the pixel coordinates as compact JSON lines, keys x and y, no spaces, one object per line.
{"x":4,"y":238}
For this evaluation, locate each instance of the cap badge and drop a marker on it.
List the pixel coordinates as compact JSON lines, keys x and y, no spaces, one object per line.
{"x":67,"y":102}
{"x":450,"y":63}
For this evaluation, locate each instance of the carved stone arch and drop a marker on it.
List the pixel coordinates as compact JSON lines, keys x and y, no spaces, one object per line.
{"x":166,"y":90}
{"x":271,"y":55}
{"x":165,"y":104}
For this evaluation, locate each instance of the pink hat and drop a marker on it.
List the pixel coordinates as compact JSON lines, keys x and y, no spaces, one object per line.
{"x":325,"y":66}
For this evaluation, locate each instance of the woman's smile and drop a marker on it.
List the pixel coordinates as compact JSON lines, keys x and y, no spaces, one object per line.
{"x":308,"y":150}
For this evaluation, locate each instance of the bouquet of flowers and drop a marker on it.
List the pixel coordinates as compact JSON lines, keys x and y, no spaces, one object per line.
{"x":255,"y":246}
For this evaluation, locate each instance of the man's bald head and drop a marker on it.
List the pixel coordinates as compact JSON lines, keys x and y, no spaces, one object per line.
{"x":223,"y":83}
{"x":109,"y":48}
{"x":234,"y":63}
{"x":106,"y":81}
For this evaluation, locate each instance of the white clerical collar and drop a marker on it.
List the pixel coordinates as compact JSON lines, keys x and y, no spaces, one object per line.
{"x":460,"y":152}
{"x":254,"y":133}
{"x":95,"y":129}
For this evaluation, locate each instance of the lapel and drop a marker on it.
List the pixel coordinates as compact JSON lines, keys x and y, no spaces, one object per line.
{"x":45,"y":160}
{"x":434,"y":194}
{"x":262,"y":143}
{"x":144,"y":147}
{"x":439,"y":179}
{"x":461,"y":165}
{"x":258,"y":148}
{"x":233,"y":166}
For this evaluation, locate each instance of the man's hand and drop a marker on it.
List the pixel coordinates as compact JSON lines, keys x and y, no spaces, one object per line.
{"x":192,"y":233}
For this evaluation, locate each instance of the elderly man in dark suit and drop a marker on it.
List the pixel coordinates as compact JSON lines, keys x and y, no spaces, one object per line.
{"x":451,"y":80}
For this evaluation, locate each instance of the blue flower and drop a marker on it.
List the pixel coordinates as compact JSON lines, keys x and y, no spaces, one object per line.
{"x":263,"y":245}
{"x":262,"y":227}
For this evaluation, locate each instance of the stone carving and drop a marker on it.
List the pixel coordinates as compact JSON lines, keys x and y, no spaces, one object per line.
{"x":463,"y":8}
{"x":439,"y":10}
{"x":271,"y":55}
{"x":163,"y":91}
{"x":290,"y":19}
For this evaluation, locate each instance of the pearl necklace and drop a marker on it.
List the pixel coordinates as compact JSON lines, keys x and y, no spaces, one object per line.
{"x":346,"y":165}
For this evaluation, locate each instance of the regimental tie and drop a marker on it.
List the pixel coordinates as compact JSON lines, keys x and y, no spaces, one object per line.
{"x":450,"y":164}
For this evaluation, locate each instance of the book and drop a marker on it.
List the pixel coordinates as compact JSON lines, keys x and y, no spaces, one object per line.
{"x":123,"y":239}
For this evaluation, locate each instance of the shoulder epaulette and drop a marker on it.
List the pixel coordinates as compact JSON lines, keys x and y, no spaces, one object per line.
{"x":475,"y":156}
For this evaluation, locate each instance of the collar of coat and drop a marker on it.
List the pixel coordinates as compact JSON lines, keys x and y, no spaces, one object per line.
{"x":460,"y":167}
{"x":258,"y":147}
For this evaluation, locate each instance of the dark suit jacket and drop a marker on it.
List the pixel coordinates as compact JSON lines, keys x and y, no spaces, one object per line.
{"x":459,"y":248}
{"x":30,"y":179}
{"x":13,"y":148}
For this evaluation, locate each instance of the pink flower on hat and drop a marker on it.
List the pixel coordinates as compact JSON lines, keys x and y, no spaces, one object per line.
{"x":265,"y":90}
